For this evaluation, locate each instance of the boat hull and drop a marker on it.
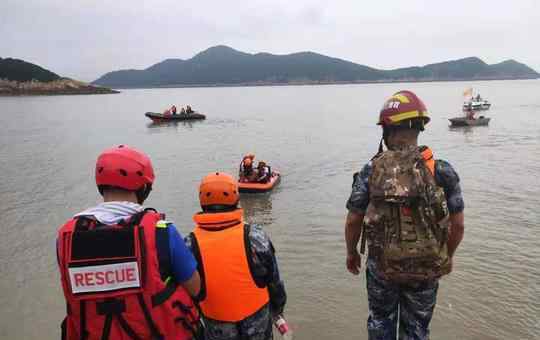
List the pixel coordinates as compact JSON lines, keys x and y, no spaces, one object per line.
{"x":462,"y":121}
{"x":159,"y":117}
{"x":248,"y":187}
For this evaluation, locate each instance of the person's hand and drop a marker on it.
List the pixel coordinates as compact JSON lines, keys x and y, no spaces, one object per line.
{"x":354,"y":262}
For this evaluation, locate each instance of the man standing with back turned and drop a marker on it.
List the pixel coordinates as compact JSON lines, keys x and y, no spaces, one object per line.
{"x":408,"y":208}
{"x":125,"y":271}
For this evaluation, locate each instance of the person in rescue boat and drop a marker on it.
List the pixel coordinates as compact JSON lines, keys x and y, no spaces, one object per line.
{"x":246,"y":173}
{"x":241,"y":289}
{"x":263,"y":172}
{"x":126,"y":272}
{"x":402,"y":118}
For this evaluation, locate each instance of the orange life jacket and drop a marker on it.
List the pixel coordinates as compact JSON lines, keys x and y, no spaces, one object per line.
{"x":230,"y":292}
{"x":427,"y":154}
{"x":113,"y":286}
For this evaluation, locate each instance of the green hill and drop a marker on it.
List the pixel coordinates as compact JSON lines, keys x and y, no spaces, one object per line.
{"x":18,"y":77}
{"x":20,"y":70}
{"x":222,"y":65}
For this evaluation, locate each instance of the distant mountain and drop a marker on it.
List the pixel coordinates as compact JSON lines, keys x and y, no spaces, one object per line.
{"x":18,"y":77}
{"x":222,"y":65}
{"x":20,"y":70}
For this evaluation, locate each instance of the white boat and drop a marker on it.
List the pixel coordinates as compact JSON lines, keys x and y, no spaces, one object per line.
{"x":475,"y":103}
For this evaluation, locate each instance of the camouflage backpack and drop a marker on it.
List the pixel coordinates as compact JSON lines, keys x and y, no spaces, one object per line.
{"x":406,"y":222}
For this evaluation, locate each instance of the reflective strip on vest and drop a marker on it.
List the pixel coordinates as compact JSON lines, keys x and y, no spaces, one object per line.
{"x":104,"y":277}
{"x":231,"y":292}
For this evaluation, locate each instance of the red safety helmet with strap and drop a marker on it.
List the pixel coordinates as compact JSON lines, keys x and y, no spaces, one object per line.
{"x":403,"y":106}
{"x":113,"y":285}
{"x":126,"y":168}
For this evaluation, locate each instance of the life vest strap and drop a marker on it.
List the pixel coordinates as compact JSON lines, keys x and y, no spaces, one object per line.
{"x":163,"y":295}
{"x":82,"y":312}
{"x":126,"y":327}
{"x":148,"y":317}
{"x":113,"y":308}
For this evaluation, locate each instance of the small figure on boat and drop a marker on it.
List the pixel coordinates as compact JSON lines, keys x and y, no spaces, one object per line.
{"x":183,"y":111}
{"x":247,"y":172}
{"x":188,"y":109}
{"x":263,"y":172}
{"x":173,"y":109}
{"x":470,"y":114}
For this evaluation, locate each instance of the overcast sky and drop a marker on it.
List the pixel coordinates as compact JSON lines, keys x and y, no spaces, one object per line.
{"x":84,"y":39}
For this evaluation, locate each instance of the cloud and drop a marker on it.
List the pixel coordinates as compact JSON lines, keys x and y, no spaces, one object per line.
{"x":86,"y":38}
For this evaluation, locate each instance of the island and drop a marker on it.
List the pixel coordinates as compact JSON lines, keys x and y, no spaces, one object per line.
{"x":18,"y":78}
{"x":225,"y":66}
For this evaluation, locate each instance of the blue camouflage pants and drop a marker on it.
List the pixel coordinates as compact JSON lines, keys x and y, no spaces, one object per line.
{"x":258,"y":326}
{"x":390,"y":303}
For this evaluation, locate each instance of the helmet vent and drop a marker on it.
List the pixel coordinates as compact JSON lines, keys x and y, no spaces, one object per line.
{"x":225,"y":193}
{"x":123,"y":172}
{"x":208,"y":194}
{"x":100,"y":169}
{"x":140,"y":173}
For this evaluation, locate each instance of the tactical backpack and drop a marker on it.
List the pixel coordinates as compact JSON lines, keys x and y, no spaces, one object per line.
{"x":406,"y":222}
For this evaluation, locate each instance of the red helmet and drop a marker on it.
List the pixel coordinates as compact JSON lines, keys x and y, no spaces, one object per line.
{"x":124,"y":167}
{"x":403,"y":105}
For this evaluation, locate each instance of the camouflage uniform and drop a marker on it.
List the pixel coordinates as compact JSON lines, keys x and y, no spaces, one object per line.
{"x":414,"y":302}
{"x":257,"y":326}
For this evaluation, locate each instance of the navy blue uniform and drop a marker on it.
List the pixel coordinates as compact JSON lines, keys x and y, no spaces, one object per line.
{"x":414,"y":302}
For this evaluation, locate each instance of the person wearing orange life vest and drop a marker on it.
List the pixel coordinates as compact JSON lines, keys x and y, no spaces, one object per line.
{"x":241,"y":289}
{"x":126,"y":272}
{"x":402,"y":285}
{"x":246,"y":173}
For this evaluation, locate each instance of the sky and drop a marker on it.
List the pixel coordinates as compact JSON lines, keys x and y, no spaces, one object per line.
{"x":84,"y":39}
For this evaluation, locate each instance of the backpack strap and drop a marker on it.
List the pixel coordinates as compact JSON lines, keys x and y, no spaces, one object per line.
{"x":363,"y":239}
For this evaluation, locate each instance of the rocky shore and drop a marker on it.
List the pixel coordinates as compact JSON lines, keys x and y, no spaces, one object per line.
{"x":61,"y":86}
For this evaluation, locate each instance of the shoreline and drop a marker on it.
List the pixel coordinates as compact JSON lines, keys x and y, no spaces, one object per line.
{"x":53,"y":88}
{"x":312,"y":83}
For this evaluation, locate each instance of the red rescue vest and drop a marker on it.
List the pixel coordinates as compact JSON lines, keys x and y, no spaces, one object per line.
{"x":230,"y":291}
{"x":113,"y":286}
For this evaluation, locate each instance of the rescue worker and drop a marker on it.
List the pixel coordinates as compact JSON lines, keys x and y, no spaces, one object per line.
{"x":417,"y":201}
{"x":263,"y":172}
{"x":173,"y":109}
{"x":183,"y":111}
{"x":188,"y":109}
{"x":241,"y":289}
{"x":125,"y":271}
{"x":246,"y":173}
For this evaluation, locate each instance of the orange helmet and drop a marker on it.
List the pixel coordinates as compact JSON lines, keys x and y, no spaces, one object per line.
{"x":402,"y":106}
{"x":218,"y":189}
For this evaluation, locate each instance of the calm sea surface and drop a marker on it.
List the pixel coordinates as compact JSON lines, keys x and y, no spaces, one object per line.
{"x":317,"y":136}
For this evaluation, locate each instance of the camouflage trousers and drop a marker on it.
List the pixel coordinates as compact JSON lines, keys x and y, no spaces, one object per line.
{"x":391,"y":305}
{"x":258,"y":326}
